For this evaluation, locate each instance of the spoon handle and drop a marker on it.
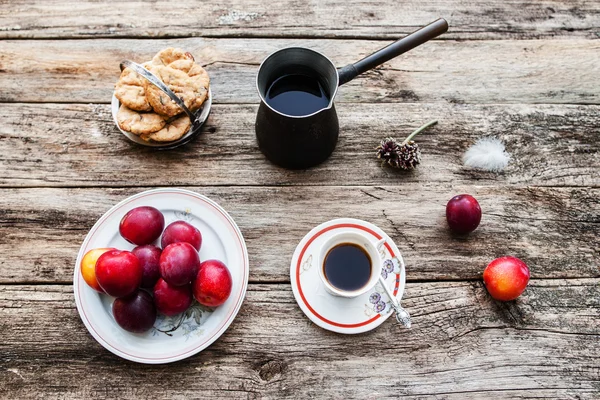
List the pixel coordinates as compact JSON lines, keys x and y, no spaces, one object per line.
{"x":402,"y":316}
{"x":401,"y":46}
{"x":150,"y":77}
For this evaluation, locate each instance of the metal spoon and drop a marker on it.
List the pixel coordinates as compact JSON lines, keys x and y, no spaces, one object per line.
{"x":150,"y":77}
{"x":402,"y":315}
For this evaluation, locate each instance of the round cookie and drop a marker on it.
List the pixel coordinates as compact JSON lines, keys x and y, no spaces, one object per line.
{"x":139,"y":123}
{"x":130,"y":90}
{"x":173,"y":130}
{"x":186,"y":79}
{"x":170,"y":54}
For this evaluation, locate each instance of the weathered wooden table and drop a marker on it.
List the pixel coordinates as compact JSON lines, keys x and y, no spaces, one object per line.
{"x":527,"y":72}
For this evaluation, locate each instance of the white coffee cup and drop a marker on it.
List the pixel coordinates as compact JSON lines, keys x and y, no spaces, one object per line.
{"x":372,"y":248}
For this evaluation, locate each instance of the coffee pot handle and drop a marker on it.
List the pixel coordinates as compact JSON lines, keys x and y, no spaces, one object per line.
{"x":417,"y":38}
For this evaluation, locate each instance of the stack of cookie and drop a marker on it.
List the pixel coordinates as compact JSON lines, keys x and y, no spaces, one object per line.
{"x":146,"y":111}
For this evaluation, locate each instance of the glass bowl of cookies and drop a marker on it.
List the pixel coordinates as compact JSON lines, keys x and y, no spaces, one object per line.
{"x":164,"y":102}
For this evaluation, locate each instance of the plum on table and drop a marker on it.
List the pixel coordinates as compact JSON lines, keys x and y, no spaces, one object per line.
{"x":463,"y":213}
{"x":506,"y":278}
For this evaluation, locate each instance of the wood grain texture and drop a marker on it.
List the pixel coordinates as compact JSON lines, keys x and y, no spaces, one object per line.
{"x":506,"y":71}
{"x":524,"y":71}
{"x":555,"y":231}
{"x":462,"y":345}
{"x":495,"y":19}
{"x":79,"y":145}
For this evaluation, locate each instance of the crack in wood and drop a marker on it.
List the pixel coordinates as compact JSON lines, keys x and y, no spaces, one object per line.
{"x":520,"y":217}
{"x":398,"y":231}
{"x":231,"y":63}
{"x":504,"y":327}
{"x":369,"y":194}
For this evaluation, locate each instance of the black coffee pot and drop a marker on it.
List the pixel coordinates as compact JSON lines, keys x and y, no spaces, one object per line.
{"x":304,"y":141}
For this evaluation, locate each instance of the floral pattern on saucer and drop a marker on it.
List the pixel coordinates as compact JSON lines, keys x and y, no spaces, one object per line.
{"x":306,"y":265}
{"x":378,"y":301}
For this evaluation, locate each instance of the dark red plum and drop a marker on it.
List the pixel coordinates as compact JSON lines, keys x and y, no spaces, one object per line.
{"x":179,"y":263}
{"x":463,"y":213}
{"x":172,"y":300}
{"x":135,"y":313}
{"x":142,"y":225}
{"x":181,"y":231}
{"x":149,"y":257}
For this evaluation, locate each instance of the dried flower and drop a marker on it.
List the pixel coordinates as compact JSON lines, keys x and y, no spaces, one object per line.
{"x":405,"y":155}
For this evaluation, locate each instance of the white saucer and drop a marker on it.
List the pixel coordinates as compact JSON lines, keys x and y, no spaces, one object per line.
{"x":350,"y":316}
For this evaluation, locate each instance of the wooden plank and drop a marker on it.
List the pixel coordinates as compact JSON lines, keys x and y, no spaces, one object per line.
{"x":507,"y":71}
{"x":78,"y":145}
{"x":553,"y":230}
{"x":495,"y":19}
{"x":462,"y":345}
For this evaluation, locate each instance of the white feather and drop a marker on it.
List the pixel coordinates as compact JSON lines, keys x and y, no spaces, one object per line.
{"x":487,"y":154}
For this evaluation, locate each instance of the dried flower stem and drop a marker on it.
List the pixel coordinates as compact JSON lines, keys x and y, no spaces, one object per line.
{"x":417,"y":131}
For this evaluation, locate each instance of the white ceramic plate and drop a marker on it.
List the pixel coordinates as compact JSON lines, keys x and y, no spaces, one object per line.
{"x":337,"y":314}
{"x":199,"y":327}
{"x":202,"y":114}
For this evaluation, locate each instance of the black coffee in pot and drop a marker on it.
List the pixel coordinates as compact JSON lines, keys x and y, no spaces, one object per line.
{"x":297,"y":95}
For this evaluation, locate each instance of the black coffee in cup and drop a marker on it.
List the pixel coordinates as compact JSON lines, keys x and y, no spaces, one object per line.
{"x":347,"y":266}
